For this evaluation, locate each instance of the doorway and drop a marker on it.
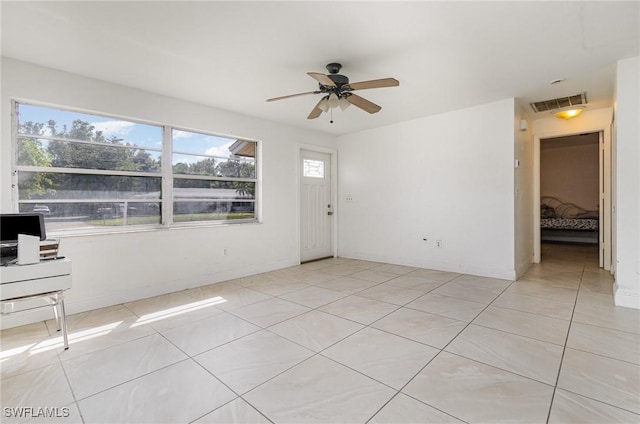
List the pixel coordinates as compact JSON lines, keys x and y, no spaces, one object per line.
{"x":316,"y":205}
{"x":572,"y":192}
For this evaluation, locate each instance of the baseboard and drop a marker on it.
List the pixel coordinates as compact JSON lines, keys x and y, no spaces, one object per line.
{"x":75,"y":306}
{"x":523,"y":267}
{"x":503,"y":274}
{"x":626,"y":298}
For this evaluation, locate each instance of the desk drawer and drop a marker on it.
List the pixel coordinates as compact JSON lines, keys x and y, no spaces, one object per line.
{"x":44,"y":269}
{"x":29,"y":287}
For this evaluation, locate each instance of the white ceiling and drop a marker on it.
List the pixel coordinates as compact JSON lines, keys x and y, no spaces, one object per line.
{"x":235,"y":55}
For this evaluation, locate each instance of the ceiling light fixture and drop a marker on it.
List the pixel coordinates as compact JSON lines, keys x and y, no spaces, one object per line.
{"x":332,"y":101}
{"x":568,"y":113}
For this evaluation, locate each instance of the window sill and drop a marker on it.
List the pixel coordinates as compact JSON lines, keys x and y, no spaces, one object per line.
{"x":145,"y":229}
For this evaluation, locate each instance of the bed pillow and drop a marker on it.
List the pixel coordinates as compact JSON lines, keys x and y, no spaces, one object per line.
{"x":547,"y":211}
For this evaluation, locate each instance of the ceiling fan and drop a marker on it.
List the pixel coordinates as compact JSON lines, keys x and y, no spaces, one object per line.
{"x":338,"y":91}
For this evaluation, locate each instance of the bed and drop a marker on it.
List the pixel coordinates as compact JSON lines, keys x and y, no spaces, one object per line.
{"x":567,"y":222}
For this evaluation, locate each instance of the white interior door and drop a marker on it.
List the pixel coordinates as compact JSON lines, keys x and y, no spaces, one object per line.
{"x":316,"y":210}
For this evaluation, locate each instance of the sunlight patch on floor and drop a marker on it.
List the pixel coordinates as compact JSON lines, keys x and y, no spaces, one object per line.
{"x":178,"y":310}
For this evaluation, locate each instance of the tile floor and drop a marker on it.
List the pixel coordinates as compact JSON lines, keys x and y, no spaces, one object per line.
{"x":343,"y":340}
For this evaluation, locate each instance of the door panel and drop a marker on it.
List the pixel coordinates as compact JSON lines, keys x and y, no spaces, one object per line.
{"x":316,"y":210}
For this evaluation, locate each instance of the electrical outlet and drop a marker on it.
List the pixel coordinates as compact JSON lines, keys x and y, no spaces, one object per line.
{"x":438,"y":243}
{"x":225,"y":252}
{"x":349,"y":198}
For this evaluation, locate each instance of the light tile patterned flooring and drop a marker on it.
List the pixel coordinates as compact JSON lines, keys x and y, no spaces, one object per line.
{"x":344,"y":340}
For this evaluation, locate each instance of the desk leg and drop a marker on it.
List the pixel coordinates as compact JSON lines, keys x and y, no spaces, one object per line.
{"x":56,"y":314}
{"x":63,"y":324}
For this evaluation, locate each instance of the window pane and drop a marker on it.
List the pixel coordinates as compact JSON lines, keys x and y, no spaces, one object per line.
{"x":54,"y":186}
{"x":219,"y":157}
{"x":38,"y":120}
{"x":214,"y":167}
{"x":237,"y":168}
{"x":63,"y":154}
{"x":87,"y":215}
{"x":194,"y":165}
{"x":219,"y":190}
{"x":313,"y":168}
{"x":212,"y":211}
{"x":211,"y":145}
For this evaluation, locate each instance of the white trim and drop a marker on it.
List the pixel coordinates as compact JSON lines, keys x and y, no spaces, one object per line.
{"x":94,"y":200}
{"x":258,"y":195}
{"x":167,"y":180}
{"x":211,"y":199}
{"x":470,"y":269}
{"x":93,"y":143}
{"x":204,"y":155}
{"x":86,"y":171}
{"x":604,"y":209}
{"x":537,"y":255}
{"x":212,"y":178}
{"x":626,"y":298}
{"x":15,"y":195}
{"x":128,"y":295}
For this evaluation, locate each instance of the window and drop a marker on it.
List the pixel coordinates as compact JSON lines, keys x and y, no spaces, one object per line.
{"x":313,"y":168}
{"x":87,"y":172}
{"x":213,"y":177}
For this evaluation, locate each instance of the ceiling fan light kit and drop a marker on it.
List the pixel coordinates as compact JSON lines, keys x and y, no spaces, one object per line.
{"x":338,"y":92}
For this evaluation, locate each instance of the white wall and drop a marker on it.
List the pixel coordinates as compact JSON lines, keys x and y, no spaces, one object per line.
{"x":447,"y":177}
{"x":523,"y":180}
{"x":571,"y":173}
{"x":627,"y":180}
{"x":110,"y":269}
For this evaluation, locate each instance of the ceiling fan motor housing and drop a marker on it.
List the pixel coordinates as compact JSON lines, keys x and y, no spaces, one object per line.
{"x":338,"y":80}
{"x":333,"y":68}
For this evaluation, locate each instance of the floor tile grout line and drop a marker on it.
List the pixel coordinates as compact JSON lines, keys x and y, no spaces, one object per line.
{"x":319,"y":353}
{"x":73,"y":393}
{"x":564,"y":349}
{"x":443,"y":350}
{"x":604,"y":356}
{"x":499,"y":368}
{"x":188,"y":358}
{"x":599,"y":401}
{"x":518,"y":334}
{"x":533,"y":313}
{"x":404,"y":306}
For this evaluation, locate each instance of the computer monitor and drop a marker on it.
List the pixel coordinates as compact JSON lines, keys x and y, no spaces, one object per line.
{"x":12,"y":224}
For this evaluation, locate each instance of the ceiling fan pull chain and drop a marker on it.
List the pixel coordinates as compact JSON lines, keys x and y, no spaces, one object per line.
{"x":331,"y":111}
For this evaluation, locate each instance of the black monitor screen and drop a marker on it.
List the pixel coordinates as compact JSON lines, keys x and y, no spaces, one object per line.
{"x":13,"y":224}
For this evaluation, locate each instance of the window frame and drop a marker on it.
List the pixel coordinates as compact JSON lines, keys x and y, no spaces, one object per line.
{"x":175,"y":176}
{"x":166,"y":174}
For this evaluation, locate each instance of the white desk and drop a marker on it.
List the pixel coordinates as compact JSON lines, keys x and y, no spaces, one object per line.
{"x":47,"y":279}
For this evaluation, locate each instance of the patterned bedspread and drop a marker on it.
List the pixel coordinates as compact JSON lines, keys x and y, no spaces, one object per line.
{"x":568,"y":224}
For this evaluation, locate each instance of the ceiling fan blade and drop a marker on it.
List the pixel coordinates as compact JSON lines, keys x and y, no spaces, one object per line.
{"x":322,"y":79}
{"x":363,"y":104}
{"x":293,"y":95}
{"x":316,"y":111}
{"x":379,"y":83}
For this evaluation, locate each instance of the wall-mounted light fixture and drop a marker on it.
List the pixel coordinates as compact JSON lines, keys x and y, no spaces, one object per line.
{"x":568,"y":113}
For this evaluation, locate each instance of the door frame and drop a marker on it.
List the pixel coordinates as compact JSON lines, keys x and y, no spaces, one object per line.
{"x":604,"y":151}
{"x":333,"y":153}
